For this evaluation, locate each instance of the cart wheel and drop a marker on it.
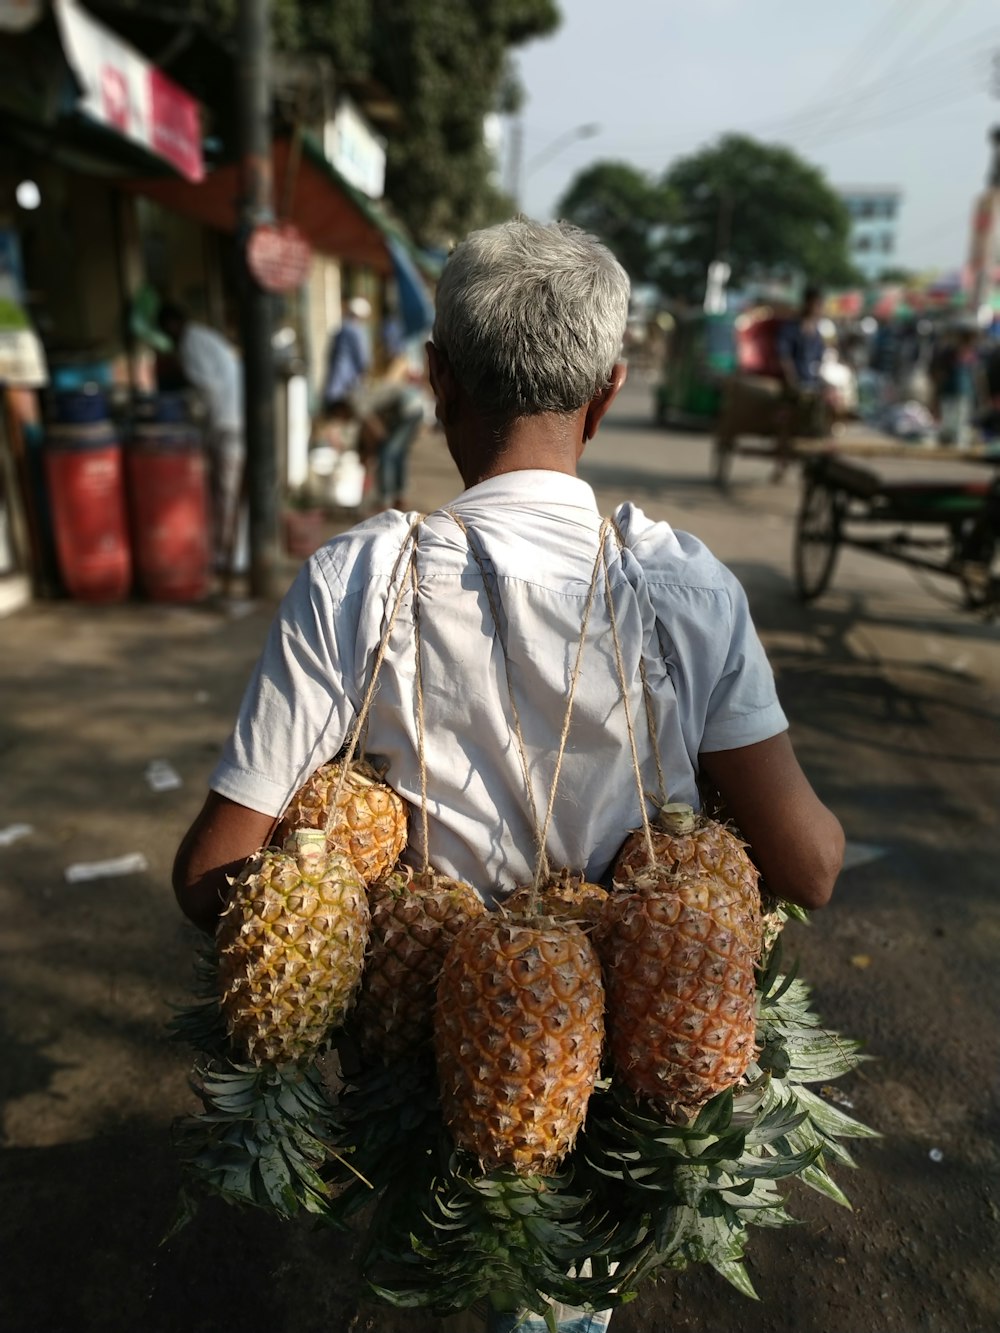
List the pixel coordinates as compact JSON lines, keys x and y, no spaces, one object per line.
{"x":817,"y":539}
{"x":723,"y":449}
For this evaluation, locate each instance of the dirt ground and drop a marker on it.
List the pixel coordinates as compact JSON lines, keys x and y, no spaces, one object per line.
{"x":893,"y":698}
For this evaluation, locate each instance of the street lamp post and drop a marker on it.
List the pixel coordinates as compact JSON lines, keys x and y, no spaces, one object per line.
{"x":550,"y":151}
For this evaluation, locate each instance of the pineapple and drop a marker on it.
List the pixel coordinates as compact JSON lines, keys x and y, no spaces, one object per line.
{"x":415,"y":918}
{"x":565,"y":896}
{"x":690,"y":844}
{"x":291,"y":949}
{"x":518,"y":1031}
{"x":370,"y":821}
{"x":678,"y":954}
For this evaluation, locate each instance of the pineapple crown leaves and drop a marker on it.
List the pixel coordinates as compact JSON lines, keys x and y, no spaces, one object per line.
{"x":390,"y":1137}
{"x":506,"y":1238}
{"x":201,"y":1025}
{"x":263,"y":1139}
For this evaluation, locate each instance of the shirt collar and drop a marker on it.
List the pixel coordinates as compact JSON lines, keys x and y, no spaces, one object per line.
{"x":531,"y":486}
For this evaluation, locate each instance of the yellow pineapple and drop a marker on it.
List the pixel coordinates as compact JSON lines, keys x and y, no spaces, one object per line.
{"x":291,"y":949}
{"x":369,"y":825}
{"x":415,"y":919}
{"x":678,"y":954}
{"x":518,"y":1031}
{"x":565,"y":896}
{"x":691,"y":844}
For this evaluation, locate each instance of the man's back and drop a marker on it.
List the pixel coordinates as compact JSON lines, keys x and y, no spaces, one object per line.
{"x":535,"y":534}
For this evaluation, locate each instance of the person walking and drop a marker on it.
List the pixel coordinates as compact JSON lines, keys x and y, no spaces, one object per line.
{"x":349,"y":358}
{"x":524,"y":365}
{"x":211,"y":365}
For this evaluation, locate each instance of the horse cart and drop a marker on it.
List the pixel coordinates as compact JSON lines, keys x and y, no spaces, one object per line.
{"x":930,"y":508}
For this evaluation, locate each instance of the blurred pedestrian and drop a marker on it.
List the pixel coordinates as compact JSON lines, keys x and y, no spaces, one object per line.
{"x":801,"y":348}
{"x":955,"y":374}
{"x":349,"y":358}
{"x":211,"y":365}
{"x":390,"y":418}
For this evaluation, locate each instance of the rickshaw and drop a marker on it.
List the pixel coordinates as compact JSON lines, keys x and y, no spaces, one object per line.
{"x":701,"y":353}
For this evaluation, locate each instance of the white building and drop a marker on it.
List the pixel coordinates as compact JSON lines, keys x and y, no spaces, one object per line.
{"x":874,"y":213}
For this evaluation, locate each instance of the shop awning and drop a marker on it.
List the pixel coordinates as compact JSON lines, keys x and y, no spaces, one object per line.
{"x":335,"y":218}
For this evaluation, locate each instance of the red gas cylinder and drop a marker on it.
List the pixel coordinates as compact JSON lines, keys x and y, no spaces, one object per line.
{"x":168,"y":501}
{"x":83,"y":470}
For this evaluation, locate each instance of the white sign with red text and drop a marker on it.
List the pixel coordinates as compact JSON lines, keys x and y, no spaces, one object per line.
{"x":122,"y":90}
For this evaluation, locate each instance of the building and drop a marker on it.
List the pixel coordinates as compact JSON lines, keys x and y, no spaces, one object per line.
{"x":874,"y":214}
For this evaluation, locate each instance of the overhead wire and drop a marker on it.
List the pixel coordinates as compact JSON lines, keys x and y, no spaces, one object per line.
{"x":859,"y":55}
{"x":954,"y":64}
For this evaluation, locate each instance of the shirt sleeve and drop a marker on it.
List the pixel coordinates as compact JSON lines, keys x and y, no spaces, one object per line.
{"x":743,"y":706}
{"x":296,"y":713}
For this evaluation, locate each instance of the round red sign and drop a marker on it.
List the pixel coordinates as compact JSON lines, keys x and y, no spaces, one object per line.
{"x":278,"y":256}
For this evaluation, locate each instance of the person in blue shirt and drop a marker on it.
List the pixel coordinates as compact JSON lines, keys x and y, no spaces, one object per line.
{"x":350,"y":355}
{"x":800,"y":348}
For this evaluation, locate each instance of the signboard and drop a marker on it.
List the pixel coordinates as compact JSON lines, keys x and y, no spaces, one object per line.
{"x":982,"y":248}
{"x":355,"y":150}
{"x":278,"y":256}
{"x":122,"y":90}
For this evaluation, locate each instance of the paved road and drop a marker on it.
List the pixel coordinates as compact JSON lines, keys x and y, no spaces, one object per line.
{"x":892,"y":692}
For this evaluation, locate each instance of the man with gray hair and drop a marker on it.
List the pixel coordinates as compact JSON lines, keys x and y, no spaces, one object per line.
{"x":524,"y":363}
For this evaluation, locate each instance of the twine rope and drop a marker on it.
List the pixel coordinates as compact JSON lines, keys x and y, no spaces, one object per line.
{"x":541,"y":865}
{"x":418,"y":678}
{"x":620,"y":663}
{"x":647,"y":700}
{"x":407,"y":550}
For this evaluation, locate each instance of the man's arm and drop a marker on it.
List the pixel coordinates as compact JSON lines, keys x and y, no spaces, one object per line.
{"x":212,"y":852}
{"x":796,"y":842}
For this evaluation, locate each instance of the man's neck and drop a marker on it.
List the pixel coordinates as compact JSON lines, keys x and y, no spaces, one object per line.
{"x":547,"y":442}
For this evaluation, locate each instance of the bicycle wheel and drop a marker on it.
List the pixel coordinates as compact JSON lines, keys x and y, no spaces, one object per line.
{"x":817,"y":539}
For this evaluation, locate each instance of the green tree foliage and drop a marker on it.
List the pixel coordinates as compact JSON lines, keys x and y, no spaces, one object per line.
{"x":624,"y":208}
{"x":760,"y":207}
{"x":446,"y":63}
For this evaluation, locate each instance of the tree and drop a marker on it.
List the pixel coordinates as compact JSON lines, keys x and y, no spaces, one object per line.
{"x":760,"y":207}
{"x":624,"y":208}
{"x":446,"y":65}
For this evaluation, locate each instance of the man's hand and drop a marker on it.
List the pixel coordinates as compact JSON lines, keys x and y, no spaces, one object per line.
{"x":212,"y":852}
{"x":796,"y":843}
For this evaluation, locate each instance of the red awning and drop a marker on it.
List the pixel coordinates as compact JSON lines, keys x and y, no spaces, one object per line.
{"x":326,"y":215}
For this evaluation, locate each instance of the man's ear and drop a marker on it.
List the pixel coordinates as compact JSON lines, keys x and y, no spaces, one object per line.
{"x":442,"y":381}
{"x":603,"y":399}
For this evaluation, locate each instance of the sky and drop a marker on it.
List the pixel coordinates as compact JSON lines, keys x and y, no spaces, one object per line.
{"x":874,"y":92}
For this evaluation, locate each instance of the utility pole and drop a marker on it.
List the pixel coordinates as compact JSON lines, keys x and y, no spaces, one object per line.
{"x":253,"y":31}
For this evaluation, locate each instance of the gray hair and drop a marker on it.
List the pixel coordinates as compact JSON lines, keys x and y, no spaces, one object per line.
{"x":531,"y":317}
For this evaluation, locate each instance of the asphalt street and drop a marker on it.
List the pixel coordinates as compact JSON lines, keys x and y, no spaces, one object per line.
{"x":892,"y":692}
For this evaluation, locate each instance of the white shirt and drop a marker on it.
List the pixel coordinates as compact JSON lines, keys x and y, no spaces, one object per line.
{"x":212,"y":366}
{"x":677,"y":607}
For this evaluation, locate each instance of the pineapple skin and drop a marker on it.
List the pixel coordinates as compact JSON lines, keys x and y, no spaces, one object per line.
{"x":291,"y":949}
{"x":679,"y":969}
{"x":415,"y":918}
{"x":519,"y":1029}
{"x":706,"y":850}
{"x":370,"y":824}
